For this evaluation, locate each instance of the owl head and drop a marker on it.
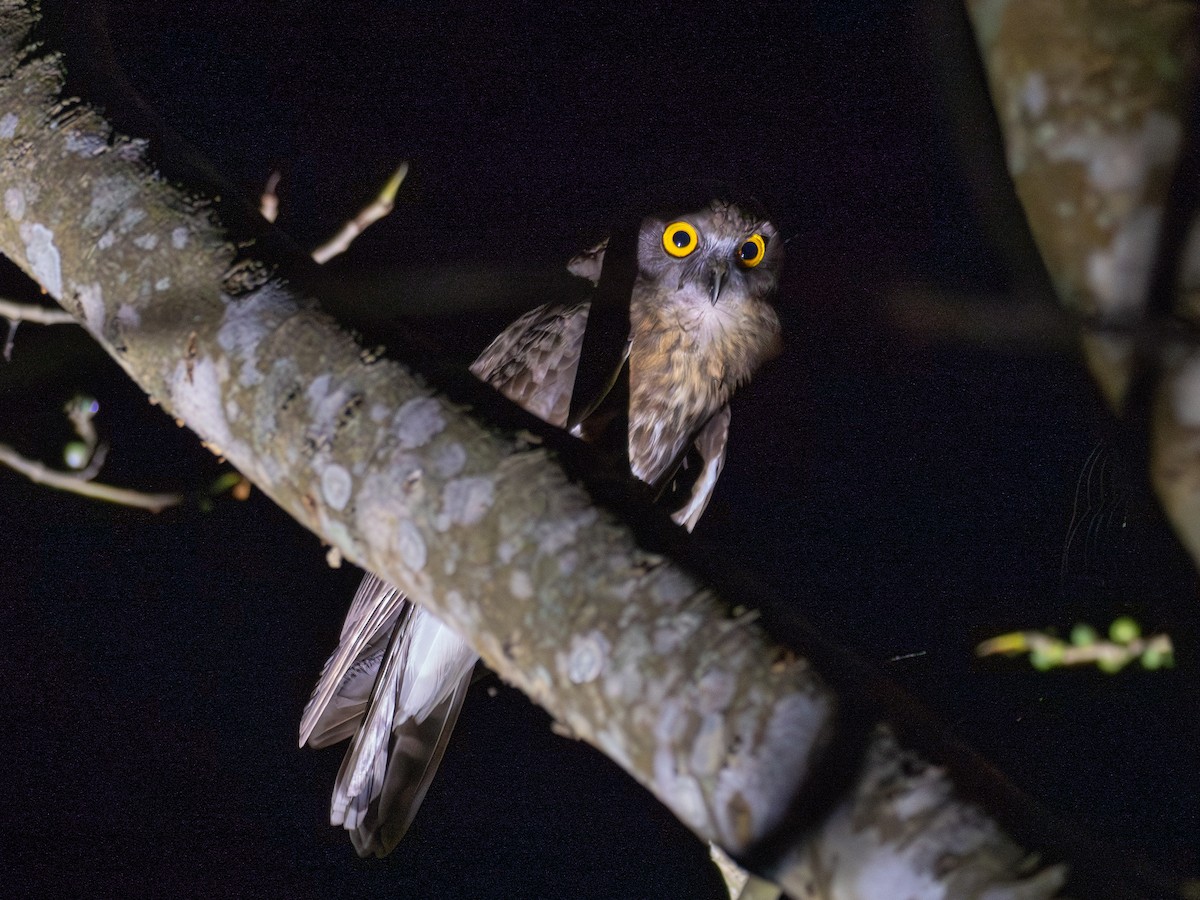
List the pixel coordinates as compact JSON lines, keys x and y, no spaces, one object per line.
{"x":722,"y":254}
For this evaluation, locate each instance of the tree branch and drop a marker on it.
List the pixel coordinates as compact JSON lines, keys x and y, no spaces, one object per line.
{"x":76,"y":484}
{"x":746,"y":742}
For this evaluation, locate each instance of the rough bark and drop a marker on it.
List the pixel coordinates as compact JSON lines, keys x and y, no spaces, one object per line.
{"x":1094,"y":99}
{"x":744,"y":741}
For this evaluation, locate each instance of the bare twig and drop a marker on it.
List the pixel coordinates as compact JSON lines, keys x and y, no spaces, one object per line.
{"x":380,"y":207}
{"x":268,"y":202}
{"x":16,"y":313}
{"x":38,"y":315}
{"x":41,"y":474}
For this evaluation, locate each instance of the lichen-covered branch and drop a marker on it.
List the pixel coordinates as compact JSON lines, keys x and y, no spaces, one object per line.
{"x":627,"y":649}
{"x":1094,"y":97}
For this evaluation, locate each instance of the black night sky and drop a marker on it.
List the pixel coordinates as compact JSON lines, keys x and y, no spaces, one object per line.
{"x":906,"y":494}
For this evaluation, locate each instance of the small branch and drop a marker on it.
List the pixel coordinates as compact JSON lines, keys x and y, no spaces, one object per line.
{"x":381,"y":206}
{"x":38,"y":315}
{"x":1125,"y":644}
{"x":41,"y":474}
{"x":268,"y":202}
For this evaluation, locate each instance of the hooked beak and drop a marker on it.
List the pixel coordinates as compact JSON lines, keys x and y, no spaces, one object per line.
{"x":716,"y":276}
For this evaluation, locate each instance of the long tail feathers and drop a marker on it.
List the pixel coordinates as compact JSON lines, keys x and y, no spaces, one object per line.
{"x":395,"y":686}
{"x":416,"y":752}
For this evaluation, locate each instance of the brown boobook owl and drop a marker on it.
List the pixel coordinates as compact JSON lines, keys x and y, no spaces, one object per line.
{"x":699,"y":325}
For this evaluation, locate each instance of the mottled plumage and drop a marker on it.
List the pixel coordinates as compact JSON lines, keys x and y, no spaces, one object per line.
{"x":699,"y":326}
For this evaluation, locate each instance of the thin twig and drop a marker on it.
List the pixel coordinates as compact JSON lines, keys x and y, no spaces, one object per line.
{"x":381,"y":206}
{"x":268,"y":202}
{"x":39,"y":315}
{"x":1057,"y":652}
{"x":41,"y":474}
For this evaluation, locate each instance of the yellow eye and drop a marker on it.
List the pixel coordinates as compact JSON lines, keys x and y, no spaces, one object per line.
{"x":751,"y":253}
{"x":679,"y":239}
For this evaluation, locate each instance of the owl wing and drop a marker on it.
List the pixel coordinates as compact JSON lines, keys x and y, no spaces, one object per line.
{"x":534,"y":360}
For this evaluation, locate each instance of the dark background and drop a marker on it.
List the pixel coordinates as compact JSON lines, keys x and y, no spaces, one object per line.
{"x":907,"y":495}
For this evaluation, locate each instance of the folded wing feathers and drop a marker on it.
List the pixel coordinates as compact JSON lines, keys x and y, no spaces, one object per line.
{"x":345,"y":683}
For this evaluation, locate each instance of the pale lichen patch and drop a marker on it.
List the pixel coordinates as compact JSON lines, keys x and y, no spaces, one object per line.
{"x":146,"y":241}
{"x":247,"y":322}
{"x":674,"y":630}
{"x":449,"y":459}
{"x":507,"y":550}
{"x":625,"y":684}
{"x":708,"y":747}
{"x":673,"y":722}
{"x":417,"y":422}
{"x":14,"y":203}
{"x":587,"y":657}
{"x":8,"y":126}
{"x":672,"y":587}
{"x":553,"y":537}
{"x":84,"y":144}
{"x":111,"y":196}
{"x":465,"y":501}
{"x":179,"y":237}
{"x":520,"y":585}
{"x":456,"y":607}
{"x":1034,"y":94}
{"x":567,"y":562}
{"x":45,"y":262}
{"x":1119,"y":276}
{"x":611,"y":742}
{"x":679,"y":791}
{"x":128,"y":316}
{"x":129,"y":218}
{"x":91,"y":300}
{"x":336,"y":485}
{"x":195,"y":392}
{"x":756,"y":782}
{"x":1119,"y":161}
{"x":714,"y":691}
{"x":411,"y":545}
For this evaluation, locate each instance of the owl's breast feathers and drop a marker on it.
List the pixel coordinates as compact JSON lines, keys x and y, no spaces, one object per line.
{"x":686,"y":360}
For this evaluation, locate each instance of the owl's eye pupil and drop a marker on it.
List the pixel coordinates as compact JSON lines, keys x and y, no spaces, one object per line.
{"x":681,"y":239}
{"x":748,"y":252}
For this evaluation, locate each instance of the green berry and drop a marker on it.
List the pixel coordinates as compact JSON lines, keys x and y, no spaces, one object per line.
{"x":1124,"y":630}
{"x":1083,"y":635}
{"x":1046,"y":656}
